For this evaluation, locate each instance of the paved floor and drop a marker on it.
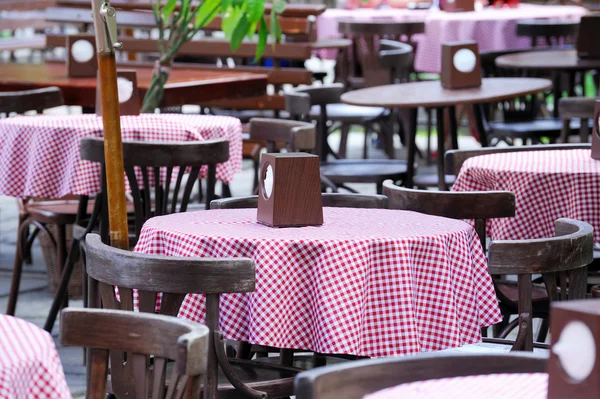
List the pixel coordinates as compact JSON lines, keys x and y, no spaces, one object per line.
{"x":35,"y":297}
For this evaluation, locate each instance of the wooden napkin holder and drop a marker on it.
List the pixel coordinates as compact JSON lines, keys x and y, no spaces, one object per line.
{"x":573,"y":367}
{"x":588,"y":43}
{"x":128,"y":93}
{"x":459,"y":5}
{"x":596,"y":131}
{"x":79,"y":62}
{"x":294,"y":198}
{"x":461,"y":65}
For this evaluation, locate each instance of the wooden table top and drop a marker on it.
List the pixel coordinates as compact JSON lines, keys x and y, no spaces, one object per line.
{"x":432,"y":94}
{"x":185,"y":86}
{"x":547,"y":60}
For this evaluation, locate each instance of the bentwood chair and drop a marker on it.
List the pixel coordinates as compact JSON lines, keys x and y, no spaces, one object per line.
{"x":149,"y":342}
{"x":145,"y":163}
{"x":34,"y":212}
{"x":175,"y":277}
{"x":581,"y":108}
{"x":300,"y":136}
{"x":357,"y":379}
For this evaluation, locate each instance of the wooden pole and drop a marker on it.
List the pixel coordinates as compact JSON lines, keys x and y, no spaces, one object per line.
{"x":106,"y":41}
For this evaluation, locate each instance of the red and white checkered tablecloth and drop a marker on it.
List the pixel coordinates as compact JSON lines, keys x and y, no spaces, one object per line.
{"x":29,"y":364}
{"x":492,"y":386}
{"x":39,"y":155}
{"x":493,"y":29}
{"x":369,"y":282}
{"x":548,"y":185}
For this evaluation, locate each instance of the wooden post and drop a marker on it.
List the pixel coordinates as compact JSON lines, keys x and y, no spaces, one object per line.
{"x":106,"y":41}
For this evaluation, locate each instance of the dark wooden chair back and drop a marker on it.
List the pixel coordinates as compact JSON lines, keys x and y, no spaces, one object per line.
{"x":398,"y":57}
{"x":576,"y":107}
{"x":562,"y":261}
{"x":335,"y":200}
{"x":174,"y":277}
{"x":366,"y":37}
{"x":37,"y":100}
{"x":455,"y":159}
{"x":143,"y":336}
{"x":554,"y":32}
{"x":354,"y":380}
{"x":146,"y":162}
{"x":293,"y":135}
{"x":479,"y":206}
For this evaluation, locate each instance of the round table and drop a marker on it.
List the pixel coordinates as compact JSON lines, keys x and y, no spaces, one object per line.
{"x":431,"y":94}
{"x":29,"y":363}
{"x":492,"y":386}
{"x":368,"y":282}
{"x":553,"y":62}
{"x":39,"y":155}
{"x":547,"y":184}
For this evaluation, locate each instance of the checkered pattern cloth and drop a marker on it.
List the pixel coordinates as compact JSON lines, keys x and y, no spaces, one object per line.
{"x":492,"y":386}
{"x":29,"y":363}
{"x":548,"y":185}
{"x":369,"y":282}
{"x":39,"y":155}
{"x":493,"y":29}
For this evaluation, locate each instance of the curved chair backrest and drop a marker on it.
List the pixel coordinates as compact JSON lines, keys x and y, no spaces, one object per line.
{"x":478,"y":206}
{"x":380,"y":28}
{"x":164,"y":338}
{"x":554,"y":32}
{"x":354,"y":380}
{"x":561,"y":260}
{"x":295,"y":135}
{"x":576,"y":107}
{"x":455,"y":159}
{"x":30,"y":100}
{"x":397,"y":56}
{"x":329,"y":200}
{"x":145,"y":162}
{"x":175,"y":277}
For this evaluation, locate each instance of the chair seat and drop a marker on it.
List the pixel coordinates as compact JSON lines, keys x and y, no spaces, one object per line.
{"x":431,"y":180}
{"x":347,"y":113}
{"x":510,"y":292}
{"x":246,"y":115}
{"x":535,"y":128}
{"x":305,"y":361}
{"x":56,"y":212}
{"x":363,"y":171}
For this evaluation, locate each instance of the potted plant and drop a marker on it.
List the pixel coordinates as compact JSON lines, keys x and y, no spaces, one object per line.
{"x":179,"y":20}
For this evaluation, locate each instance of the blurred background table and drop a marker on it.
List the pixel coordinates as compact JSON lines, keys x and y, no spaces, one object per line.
{"x":29,"y":364}
{"x":368,"y":282}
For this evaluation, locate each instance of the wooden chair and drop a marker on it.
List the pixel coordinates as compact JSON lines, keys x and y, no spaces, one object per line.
{"x":356,"y":379}
{"x":175,"y":277}
{"x":576,"y":107}
{"x":144,"y":163}
{"x":300,"y":136}
{"x":36,"y":212}
{"x":148,"y":341}
{"x":329,"y":200}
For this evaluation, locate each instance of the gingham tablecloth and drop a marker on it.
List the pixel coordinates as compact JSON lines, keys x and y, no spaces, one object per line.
{"x":369,"y":282}
{"x":548,"y":185}
{"x":39,"y":155}
{"x":493,"y":29}
{"x":493,"y":386}
{"x":29,"y":363}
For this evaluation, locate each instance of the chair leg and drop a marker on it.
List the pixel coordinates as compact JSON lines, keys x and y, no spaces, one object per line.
{"x":366,"y":143}
{"x":543,"y":332}
{"x":17,"y":269}
{"x":61,"y":256}
{"x":345,"y":131}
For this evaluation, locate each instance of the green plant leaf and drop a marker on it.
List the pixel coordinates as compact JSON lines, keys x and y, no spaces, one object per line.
{"x":263,"y":33}
{"x":229,"y":21}
{"x":275,"y":28}
{"x":239,"y":32}
{"x":168,"y":9}
{"x":207,"y":11}
{"x":255,"y":10}
{"x":279,"y":6}
{"x":252,"y":30}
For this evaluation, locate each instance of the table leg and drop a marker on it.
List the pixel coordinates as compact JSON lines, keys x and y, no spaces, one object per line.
{"x":556,"y":91}
{"x":411,"y":147}
{"x":453,"y":127}
{"x":440,"y":150}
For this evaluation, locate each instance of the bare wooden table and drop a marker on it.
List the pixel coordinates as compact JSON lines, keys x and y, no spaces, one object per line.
{"x":185,"y":86}
{"x":551,"y":62}
{"x":431,"y":94}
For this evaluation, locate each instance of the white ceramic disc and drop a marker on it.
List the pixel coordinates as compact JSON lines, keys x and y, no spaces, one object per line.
{"x":82,"y":51}
{"x":464,"y":60}
{"x":576,"y":350}
{"x":268,"y":182}
{"x":125,"y":89}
